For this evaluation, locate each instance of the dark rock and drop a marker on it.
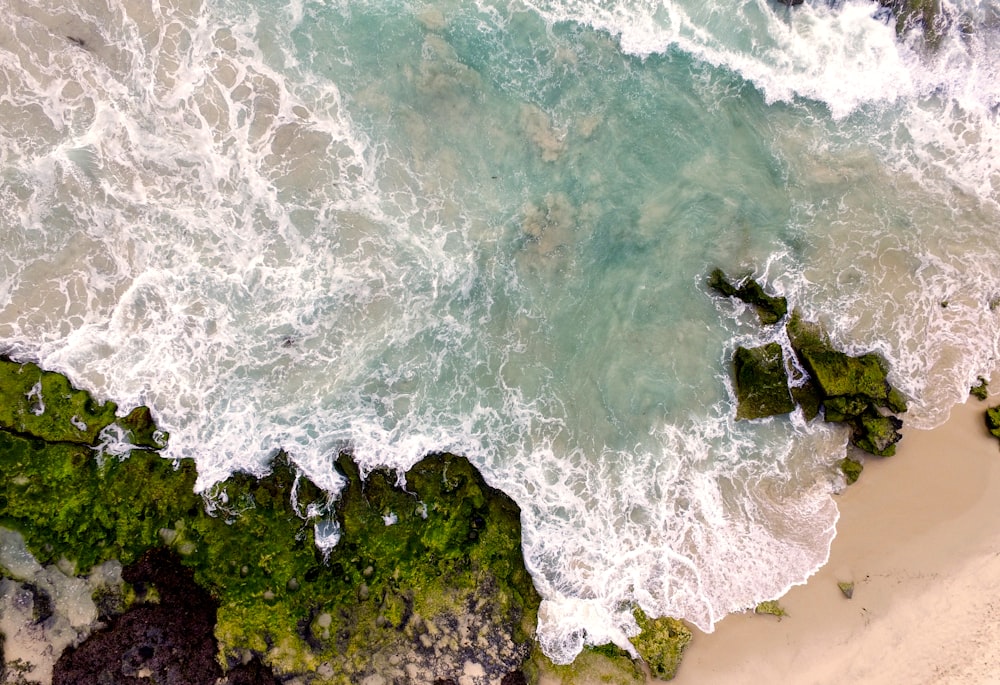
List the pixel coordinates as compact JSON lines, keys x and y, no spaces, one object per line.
{"x":514,"y":678}
{"x":981,"y":390}
{"x":761,"y":382}
{"x":769,"y":308}
{"x":169,"y":643}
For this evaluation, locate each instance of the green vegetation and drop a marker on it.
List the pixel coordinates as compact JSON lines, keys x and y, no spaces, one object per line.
{"x":769,"y":308}
{"x":761,"y":382}
{"x":847,"y":588}
{"x":851,"y":390}
{"x":661,"y":643}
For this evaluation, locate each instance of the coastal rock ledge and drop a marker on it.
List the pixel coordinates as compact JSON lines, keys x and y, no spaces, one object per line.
{"x":112,"y":569}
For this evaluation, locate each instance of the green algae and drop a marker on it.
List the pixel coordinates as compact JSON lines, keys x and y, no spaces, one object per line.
{"x":761,"y":382}
{"x":846,"y":588}
{"x":980,"y":390}
{"x":853,"y":389}
{"x":44,"y":404}
{"x":70,"y":505}
{"x":661,"y":643}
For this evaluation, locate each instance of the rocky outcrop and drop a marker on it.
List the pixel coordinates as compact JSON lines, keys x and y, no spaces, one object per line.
{"x":851,"y":390}
{"x":169,"y":642}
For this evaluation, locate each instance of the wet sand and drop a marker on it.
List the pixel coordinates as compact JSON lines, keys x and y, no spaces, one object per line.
{"x":919,"y":535}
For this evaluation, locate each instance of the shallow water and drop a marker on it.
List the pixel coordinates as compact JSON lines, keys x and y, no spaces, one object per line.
{"x":485,"y":228}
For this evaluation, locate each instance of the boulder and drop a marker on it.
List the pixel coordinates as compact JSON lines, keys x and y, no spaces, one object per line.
{"x":993,"y":420}
{"x":761,"y":382}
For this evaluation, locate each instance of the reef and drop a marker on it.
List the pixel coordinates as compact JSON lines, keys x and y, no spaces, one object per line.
{"x":924,"y":15}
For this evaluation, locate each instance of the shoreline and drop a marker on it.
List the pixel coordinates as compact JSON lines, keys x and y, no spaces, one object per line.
{"x":919,"y":535}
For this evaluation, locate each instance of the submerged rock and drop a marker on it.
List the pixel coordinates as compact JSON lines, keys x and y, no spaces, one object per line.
{"x":981,"y":390}
{"x":761,"y":382}
{"x":769,"y":308}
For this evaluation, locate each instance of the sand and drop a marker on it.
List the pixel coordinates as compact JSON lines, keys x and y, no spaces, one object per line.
{"x":919,"y":535}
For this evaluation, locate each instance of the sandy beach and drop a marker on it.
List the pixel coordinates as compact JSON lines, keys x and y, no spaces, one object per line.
{"x":919,"y":535}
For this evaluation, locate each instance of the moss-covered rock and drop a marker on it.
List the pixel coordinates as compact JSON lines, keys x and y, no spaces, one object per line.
{"x":847,"y":589}
{"x":68,"y":504}
{"x":770,"y":308}
{"x":837,"y":374}
{"x":993,"y":420}
{"x":44,"y":404}
{"x":851,"y":468}
{"x":661,"y":643}
{"x":761,"y":382}
{"x":852,"y":390}
{"x":877,"y":434}
{"x":771,"y":607}
{"x":981,"y":390}
{"x":925,"y":15}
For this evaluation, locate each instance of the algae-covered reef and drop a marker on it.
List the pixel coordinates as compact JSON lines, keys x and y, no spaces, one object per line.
{"x":853,"y":390}
{"x":426,"y":583}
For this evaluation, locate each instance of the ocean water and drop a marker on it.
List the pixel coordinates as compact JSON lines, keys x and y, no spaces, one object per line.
{"x":399,"y":227}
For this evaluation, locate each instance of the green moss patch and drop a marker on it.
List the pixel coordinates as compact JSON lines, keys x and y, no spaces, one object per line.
{"x":981,"y":390}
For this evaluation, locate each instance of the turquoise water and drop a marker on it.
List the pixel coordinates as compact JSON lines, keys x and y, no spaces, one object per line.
{"x":401,"y":227}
